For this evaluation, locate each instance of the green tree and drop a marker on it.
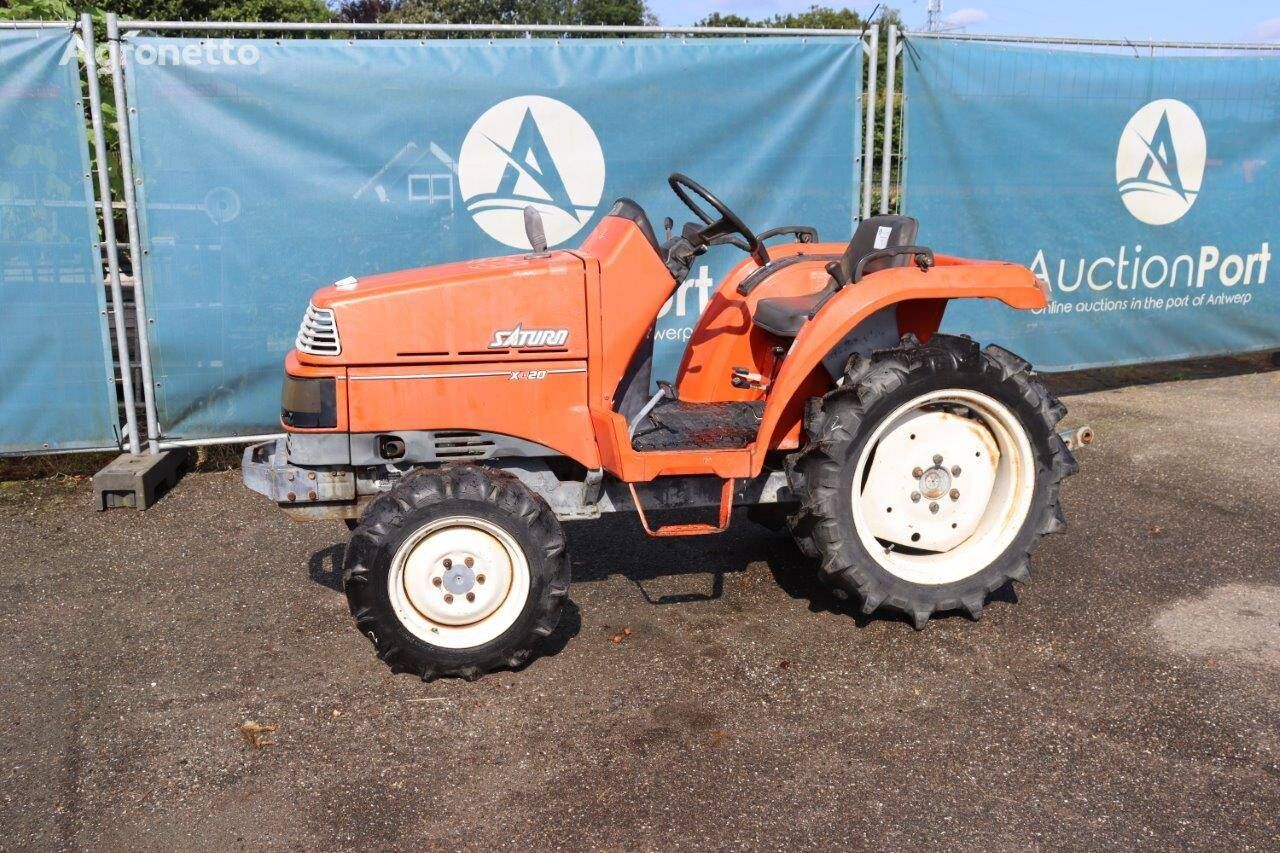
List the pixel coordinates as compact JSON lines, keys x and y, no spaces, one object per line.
{"x":815,"y":17}
{"x":613,"y":12}
{"x":37,"y":10}
{"x":311,"y":11}
{"x":171,"y":10}
{"x":219,"y":10}
{"x":470,"y":12}
{"x":567,"y":12}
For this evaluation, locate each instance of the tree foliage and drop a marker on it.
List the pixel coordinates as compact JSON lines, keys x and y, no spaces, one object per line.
{"x":37,"y":10}
{"x":311,"y":11}
{"x":567,"y":12}
{"x":815,"y":17}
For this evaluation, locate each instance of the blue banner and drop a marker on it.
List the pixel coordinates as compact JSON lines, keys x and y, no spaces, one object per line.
{"x":1143,"y":189}
{"x":271,"y":168}
{"x":57,"y":392}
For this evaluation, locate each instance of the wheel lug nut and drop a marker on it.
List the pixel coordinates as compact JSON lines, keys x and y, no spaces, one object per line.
{"x":933,"y":508}
{"x":917,"y":472}
{"x":437,"y":581}
{"x":479,"y":578}
{"x":915,"y":497}
{"x":955,"y":494}
{"x":955,"y":470}
{"x":448,"y":564}
{"x":937,"y":459}
{"x":471,"y":596}
{"x":448,"y":599}
{"x":470,"y":562}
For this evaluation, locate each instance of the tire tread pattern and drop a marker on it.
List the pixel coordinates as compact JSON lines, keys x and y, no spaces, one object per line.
{"x":384,"y":520}
{"x":835,"y":421}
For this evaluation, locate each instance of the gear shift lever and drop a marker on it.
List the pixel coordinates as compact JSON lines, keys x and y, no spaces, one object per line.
{"x":534,"y":230}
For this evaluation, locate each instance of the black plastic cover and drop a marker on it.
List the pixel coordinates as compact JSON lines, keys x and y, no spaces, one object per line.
{"x":628,"y":209}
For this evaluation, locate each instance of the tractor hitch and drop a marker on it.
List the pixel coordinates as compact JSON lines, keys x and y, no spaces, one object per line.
{"x":1077,"y":438}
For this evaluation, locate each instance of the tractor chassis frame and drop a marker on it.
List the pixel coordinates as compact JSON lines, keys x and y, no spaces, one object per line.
{"x":322,"y":493}
{"x":339,"y":492}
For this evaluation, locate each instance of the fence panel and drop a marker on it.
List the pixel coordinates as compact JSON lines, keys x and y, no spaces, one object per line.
{"x":58,"y":391}
{"x":1143,"y":190}
{"x":270,"y":168}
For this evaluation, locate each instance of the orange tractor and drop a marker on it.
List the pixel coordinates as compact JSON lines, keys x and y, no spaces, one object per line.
{"x":461,"y":412}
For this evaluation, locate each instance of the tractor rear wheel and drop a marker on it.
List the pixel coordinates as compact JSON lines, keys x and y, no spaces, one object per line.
{"x":457,"y":572}
{"x":928,"y":476}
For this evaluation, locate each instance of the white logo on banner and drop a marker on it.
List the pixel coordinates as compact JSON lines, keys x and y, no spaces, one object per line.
{"x":534,"y":151}
{"x":1160,"y":161}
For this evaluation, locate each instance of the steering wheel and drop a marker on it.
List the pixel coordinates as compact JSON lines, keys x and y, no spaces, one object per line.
{"x":721,"y":229}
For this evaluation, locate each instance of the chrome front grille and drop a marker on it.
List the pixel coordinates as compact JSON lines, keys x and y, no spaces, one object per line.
{"x":318,"y":334}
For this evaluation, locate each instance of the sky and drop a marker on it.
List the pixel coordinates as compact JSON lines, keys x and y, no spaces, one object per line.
{"x":1171,"y":20}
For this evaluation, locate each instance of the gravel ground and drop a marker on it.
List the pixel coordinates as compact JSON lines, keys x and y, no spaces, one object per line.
{"x":1129,"y":697}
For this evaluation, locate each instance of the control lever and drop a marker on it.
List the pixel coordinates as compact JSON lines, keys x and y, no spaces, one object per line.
{"x":667,"y":224}
{"x":836,"y":271}
{"x":744,"y":378}
{"x":664,"y":390}
{"x":778,"y":354}
{"x":534,"y":231}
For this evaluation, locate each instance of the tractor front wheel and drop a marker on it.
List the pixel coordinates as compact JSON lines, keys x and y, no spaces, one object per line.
{"x":457,"y":572}
{"x":928,"y":477}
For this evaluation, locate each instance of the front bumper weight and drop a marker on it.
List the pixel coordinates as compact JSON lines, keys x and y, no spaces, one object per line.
{"x":266,"y":470}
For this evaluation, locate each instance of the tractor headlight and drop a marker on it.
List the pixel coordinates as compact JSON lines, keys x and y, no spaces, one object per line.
{"x":309,"y":403}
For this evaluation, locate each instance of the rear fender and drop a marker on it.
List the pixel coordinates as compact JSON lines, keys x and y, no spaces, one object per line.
{"x":920,"y":298}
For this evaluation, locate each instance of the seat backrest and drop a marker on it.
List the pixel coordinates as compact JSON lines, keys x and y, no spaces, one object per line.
{"x":878,"y":232}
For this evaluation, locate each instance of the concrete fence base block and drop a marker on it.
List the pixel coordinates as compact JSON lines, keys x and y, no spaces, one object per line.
{"x":138,"y":481}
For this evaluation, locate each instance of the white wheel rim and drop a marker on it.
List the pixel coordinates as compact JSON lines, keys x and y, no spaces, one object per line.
{"x":458,"y":582}
{"x":943,"y":486}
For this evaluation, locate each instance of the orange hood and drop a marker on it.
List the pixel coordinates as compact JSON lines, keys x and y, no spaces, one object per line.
{"x":465,"y":311}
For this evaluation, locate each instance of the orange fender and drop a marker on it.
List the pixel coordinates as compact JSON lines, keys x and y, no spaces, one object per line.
{"x":725,"y":337}
{"x":952,"y":278}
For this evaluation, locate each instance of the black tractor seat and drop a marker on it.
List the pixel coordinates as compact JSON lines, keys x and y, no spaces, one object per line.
{"x":785,"y":315}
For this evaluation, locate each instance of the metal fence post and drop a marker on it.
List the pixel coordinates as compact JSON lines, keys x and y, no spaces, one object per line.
{"x":869,"y":116}
{"x":890,"y":82}
{"x":135,"y":243}
{"x":109,"y":232}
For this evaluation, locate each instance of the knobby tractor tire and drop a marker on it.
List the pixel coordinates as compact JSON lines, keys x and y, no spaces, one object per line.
{"x":427,"y":496}
{"x":839,"y":425}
